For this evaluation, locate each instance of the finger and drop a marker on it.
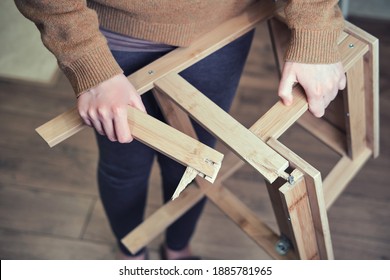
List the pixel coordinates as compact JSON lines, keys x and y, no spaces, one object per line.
{"x":83,"y":114}
{"x":95,"y":122}
{"x":121,"y":126}
{"x":108,"y":128}
{"x":285,"y":90}
{"x":135,"y":99}
{"x":316,"y":101}
{"x":98,"y":127}
{"x":327,"y":98}
{"x":317,"y":106}
{"x":85,"y":118}
{"x":343,"y":82}
{"x":106,"y":119}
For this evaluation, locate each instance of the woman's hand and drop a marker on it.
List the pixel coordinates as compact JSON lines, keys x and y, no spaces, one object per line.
{"x":321,"y":83}
{"x":105,"y":107}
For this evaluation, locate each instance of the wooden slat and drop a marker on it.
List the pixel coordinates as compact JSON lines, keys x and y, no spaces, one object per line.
{"x":173,"y":143}
{"x":280,"y":117}
{"x":161,"y":219}
{"x":297,"y":204}
{"x":246,"y":220}
{"x":181,"y":58}
{"x":371,"y":74}
{"x":247,"y":146}
{"x":316,"y":197}
{"x":157,"y":135}
{"x":341,"y":175}
{"x":355,"y":108}
{"x":350,"y":55}
{"x":281,"y":214}
{"x":326,"y":132}
{"x":61,"y":127}
{"x":280,"y":36}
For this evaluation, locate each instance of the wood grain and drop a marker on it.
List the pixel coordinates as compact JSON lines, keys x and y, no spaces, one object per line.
{"x":246,"y":145}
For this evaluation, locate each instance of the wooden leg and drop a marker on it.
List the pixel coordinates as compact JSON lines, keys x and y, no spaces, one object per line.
{"x":371,"y":81}
{"x":315,"y":195}
{"x":296,"y":203}
{"x":355,"y":110}
{"x":281,"y":215}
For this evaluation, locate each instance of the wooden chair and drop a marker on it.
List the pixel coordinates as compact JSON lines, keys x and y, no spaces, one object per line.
{"x":299,"y":196}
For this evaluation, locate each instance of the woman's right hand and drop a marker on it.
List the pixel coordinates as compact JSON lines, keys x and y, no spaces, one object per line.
{"x":104,"y":107}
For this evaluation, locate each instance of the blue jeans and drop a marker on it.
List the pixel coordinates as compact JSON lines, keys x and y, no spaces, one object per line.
{"x":124,"y":169}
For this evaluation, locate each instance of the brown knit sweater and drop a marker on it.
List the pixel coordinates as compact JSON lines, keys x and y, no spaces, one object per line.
{"x":70,"y":29}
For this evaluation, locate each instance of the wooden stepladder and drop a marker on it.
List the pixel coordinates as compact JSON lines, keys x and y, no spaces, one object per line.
{"x":299,"y":196}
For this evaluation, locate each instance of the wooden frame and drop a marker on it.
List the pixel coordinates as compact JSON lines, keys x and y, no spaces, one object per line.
{"x":300,"y":199}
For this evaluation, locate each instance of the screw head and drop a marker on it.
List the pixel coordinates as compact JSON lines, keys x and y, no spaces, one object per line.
{"x":282,"y":247}
{"x":351,"y":46}
{"x":151,"y":72}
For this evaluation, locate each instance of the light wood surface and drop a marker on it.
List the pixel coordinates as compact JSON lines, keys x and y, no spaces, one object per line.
{"x":298,"y":207}
{"x":246,"y":145}
{"x":327,"y":133}
{"x":315,"y":192}
{"x":342,"y":174}
{"x":371,"y":69}
{"x":173,"y":143}
{"x":151,"y":132}
{"x":355,"y":109}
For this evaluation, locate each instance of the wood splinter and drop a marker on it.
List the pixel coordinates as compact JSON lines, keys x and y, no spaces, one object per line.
{"x":188,"y":176}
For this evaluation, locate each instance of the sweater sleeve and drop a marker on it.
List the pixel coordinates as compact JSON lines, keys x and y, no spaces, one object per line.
{"x":70,"y":30}
{"x":316,"y":26}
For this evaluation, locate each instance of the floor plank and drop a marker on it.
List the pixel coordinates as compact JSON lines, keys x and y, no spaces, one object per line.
{"x":34,"y":210}
{"x":16,"y":245}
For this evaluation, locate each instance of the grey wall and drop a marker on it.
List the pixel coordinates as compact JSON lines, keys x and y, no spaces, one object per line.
{"x":379,"y":9}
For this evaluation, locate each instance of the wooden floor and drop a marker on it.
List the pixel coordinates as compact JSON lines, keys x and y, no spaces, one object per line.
{"x":50,"y":209}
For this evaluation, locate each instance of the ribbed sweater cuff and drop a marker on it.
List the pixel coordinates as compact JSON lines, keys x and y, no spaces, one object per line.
{"x":308,"y":46}
{"x":91,"y":69}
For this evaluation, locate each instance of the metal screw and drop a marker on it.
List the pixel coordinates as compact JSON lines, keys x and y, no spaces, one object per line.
{"x":282,"y":246}
{"x":351,"y":46}
{"x":151,"y":72}
{"x":347,"y":114}
{"x":290,"y":180}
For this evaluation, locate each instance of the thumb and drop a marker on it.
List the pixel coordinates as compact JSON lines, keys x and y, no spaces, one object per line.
{"x":286,"y":85}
